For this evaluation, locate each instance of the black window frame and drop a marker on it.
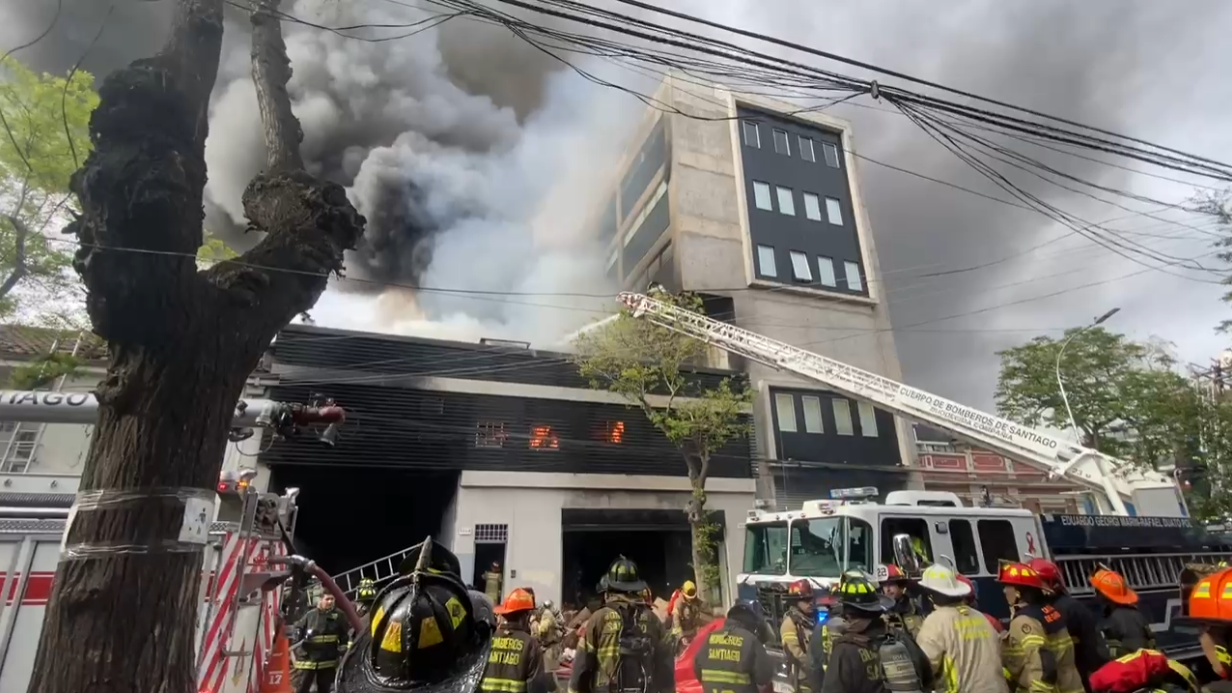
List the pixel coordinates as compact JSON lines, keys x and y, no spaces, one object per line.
{"x":995,"y":547}
{"x":971,"y":557}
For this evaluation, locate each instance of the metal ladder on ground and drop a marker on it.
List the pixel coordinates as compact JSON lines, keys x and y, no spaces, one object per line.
{"x":380,"y":571}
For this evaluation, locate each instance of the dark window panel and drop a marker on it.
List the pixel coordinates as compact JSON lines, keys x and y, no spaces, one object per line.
{"x":821,"y":220}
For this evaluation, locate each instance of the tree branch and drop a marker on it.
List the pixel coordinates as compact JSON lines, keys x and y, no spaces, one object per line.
{"x":141,"y":188}
{"x":20,"y":232}
{"x":308,"y":223}
{"x":271,"y":70}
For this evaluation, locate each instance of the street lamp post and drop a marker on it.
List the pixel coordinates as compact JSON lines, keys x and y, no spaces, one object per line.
{"x":1061,"y":381}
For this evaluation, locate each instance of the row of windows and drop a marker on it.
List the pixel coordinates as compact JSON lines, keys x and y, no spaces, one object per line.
{"x":802,"y":270}
{"x":997,"y":542}
{"x":787,"y":203}
{"x":494,"y":434}
{"x":782,"y":144}
{"x":785,"y":407}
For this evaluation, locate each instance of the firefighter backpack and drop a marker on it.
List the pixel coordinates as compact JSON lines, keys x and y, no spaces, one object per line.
{"x":897,"y":665}
{"x":636,"y":652}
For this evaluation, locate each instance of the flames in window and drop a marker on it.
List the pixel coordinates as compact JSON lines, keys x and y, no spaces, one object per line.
{"x":614,"y":432}
{"x":543,"y":438}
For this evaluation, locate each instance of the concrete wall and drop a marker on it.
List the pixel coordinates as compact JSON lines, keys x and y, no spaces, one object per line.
{"x":710,"y":232}
{"x":530,"y":503}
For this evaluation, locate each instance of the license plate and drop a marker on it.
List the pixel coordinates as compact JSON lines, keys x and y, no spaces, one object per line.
{"x":782,"y":687}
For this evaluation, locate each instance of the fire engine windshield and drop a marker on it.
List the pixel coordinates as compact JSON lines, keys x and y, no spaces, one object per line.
{"x":813,"y":548}
{"x":825,"y":547}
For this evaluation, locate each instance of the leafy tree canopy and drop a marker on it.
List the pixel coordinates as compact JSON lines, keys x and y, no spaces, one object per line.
{"x":44,"y":136}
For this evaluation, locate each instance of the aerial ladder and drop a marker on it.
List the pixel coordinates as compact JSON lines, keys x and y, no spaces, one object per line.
{"x":1119,"y":487}
{"x":247,"y":553}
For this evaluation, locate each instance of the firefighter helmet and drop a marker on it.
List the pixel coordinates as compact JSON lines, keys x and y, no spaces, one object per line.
{"x":516,"y":601}
{"x":440,"y":560}
{"x":366,"y":591}
{"x":860,"y":593}
{"x":1111,"y":586}
{"x":894,"y":574}
{"x":943,"y":581}
{"x":688,"y":590}
{"x":1019,"y":575}
{"x":1048,"y":572}
{"x":622,"y":576}
{"x":427,"y":634}
{"x":802,"y":589}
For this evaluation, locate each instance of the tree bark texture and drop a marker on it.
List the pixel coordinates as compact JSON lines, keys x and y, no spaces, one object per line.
{"x":695,"y":510}
{"x":182,"y":343}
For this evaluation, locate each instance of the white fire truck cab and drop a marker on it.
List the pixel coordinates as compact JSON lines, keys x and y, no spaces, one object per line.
{"x":852,"y":532}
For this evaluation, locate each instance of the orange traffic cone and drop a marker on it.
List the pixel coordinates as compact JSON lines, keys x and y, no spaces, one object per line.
{"x":276,"y":677}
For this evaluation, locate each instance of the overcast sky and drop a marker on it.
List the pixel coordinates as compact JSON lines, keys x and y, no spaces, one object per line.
{"x":1142,"y":68}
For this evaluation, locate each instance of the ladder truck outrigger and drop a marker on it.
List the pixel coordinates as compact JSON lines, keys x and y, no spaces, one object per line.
{"x":1143,"y":530}
{"x":247,"y":549}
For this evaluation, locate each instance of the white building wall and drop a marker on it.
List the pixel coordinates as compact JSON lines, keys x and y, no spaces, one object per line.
{"x":530,"y":503}
{"x":59,"y":449}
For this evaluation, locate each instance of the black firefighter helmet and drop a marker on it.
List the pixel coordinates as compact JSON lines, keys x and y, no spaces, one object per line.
{"x":622,"y":576}
{"x":427,"y":634}
{"x":440,"y":559}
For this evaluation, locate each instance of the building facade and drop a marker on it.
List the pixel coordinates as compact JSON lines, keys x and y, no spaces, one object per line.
{"x":503,"y":453}
{"x":983,"y":477}
{"x":755,"y":204}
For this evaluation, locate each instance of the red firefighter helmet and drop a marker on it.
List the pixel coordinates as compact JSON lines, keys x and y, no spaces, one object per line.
{"x":967,"y":581}
{"x":894,"y":574}
{"x":1048,"y":572}
{"x":801,"y":588}
{"x":1019,"y":575}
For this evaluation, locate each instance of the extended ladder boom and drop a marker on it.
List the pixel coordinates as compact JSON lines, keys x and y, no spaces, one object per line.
{"x":1150,"y":492}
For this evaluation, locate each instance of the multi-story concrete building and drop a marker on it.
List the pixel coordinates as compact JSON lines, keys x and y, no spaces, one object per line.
{"x":755,"y":204}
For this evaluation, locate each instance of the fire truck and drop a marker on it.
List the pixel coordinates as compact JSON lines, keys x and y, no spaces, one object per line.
{"x":246,"y":547}
{"x":1142,"y":529}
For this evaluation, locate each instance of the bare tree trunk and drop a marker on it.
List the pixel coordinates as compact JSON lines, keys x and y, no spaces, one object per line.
{"x":182,"y":343}
{"x":699,"y":528}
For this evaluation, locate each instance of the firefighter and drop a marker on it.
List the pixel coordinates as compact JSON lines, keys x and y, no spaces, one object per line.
{"x":686,"y":617}
{"x":548,"y":632}
{"x":623,"y":649}
{"x":364,"y":595}
{"x":427,"y":634}
{"x":515,"y":664}
{"x":972,"y":600}
{"x":733,"y":659}
{"x":1209,"y":603}
{"x":1090,"y":650}
{"x":963,"y":650}
{"x":824,"y":633}
{"x":796,"y":631}
{"x":1038,"y":653}
{"x":1125,"y":629}
{"x":867,"y":657}
{"x":492,"y":582}
{"x":323,"y":637}
{"x":904,"y":613}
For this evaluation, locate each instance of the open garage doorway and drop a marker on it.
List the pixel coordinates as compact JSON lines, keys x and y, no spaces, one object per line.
{"x":349,"y":516}
{"x":657,"y":540}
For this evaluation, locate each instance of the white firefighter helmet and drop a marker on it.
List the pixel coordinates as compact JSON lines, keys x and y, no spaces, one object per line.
{"x":942,"y":580}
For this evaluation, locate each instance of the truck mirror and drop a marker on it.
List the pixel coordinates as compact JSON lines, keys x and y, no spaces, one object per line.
{"x":905,"y":555}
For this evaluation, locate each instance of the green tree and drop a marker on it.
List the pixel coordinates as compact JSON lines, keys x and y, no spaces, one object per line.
{"x":43,"y":139}
{"x":650,"y":367}
{"x":1126,"y":397}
